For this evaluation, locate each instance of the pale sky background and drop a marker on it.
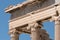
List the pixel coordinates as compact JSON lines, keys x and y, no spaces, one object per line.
{"x":4,"y":18}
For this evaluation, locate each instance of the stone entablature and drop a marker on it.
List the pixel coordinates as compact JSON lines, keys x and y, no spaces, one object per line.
{"x":34,"y":17}
{"x":29,"y":16}
{"x":29,"y":7}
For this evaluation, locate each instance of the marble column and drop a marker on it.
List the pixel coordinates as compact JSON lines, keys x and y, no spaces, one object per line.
{"x":35,"y":31}
{"x":57,"y":28}
{"x":14,"y":35}
{"x":35,"y":34}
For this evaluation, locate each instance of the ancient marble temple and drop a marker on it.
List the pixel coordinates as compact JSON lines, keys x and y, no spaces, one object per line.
{"x":28,"y":17}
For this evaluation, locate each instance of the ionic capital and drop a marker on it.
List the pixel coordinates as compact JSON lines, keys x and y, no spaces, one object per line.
{"x":14,"y":31}
{"x":34,"y":25}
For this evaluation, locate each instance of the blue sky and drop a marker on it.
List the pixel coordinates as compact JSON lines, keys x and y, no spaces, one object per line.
{"x":4,"y":18}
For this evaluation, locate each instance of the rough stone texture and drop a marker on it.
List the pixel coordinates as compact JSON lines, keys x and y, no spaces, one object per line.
{"x":44,"y":35}
{"x":30,"y":8}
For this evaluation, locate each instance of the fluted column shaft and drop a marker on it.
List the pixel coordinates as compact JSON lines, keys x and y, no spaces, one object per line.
{"x":57,"y":29}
